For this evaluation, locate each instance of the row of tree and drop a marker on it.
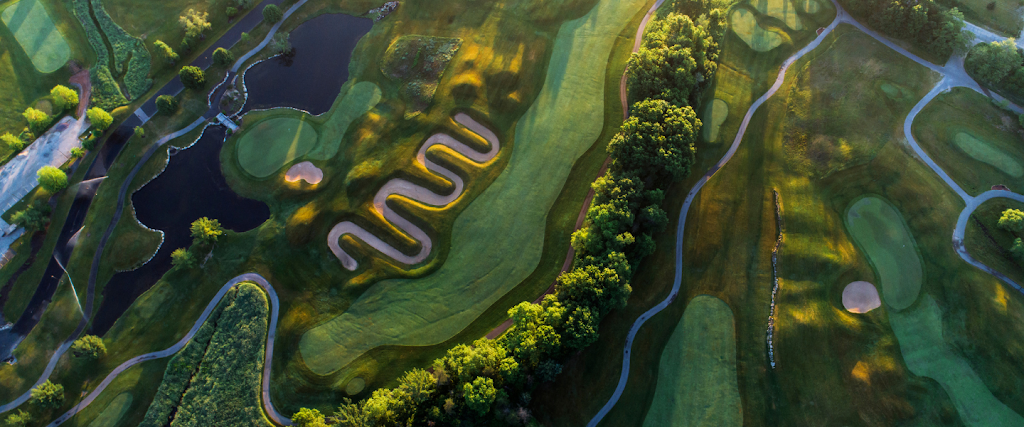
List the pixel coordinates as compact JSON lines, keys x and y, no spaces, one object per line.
{"x":999,"y":66}
{"x":923,"y":23}
{"x":492,"y":380}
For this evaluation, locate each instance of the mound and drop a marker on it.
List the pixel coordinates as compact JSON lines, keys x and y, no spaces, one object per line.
{"x":272,"y":143}
{"x":37,"y":34}
{"x":860,"y":297}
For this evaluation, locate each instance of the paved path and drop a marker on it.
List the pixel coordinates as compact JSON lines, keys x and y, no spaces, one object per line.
{"x":268,"y":38}
{"x":268,"y":407}
{"x":409,"y":190}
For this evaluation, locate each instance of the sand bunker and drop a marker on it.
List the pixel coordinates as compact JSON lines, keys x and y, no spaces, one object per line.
{"x":304,"y":171}
{"x":984,"y":152}
{"x":744,"y":24}
{"x":860,"y":297}
{"x":713,"y":119}
{"x":781,"y":9}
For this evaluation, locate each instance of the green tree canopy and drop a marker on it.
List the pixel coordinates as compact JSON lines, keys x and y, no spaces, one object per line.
{"x":48,"y":395}
{"x":480,"y":394}
{"x":192,"y":77}
{"x":37,"y":120}
{"x":533,"y":337}
{"x":657,"y":141}
{"x":1018,"y":249}
{"x":309,"y":418}
{"x":20,"y":419}
{"x":64,"y":97}
{"x":184,"y":258}
{"x":1012,"y":220}
{"x":194,"y":24}
{"x":34,"y":217}
{"x":205,"y":231}
{"x":272,"y":13}
{"x":52,"y":180}
{"x":12,"y":142}
{"x":99,"y":118}
{"x":676,"y":57}
{"x":166,"y":104}
{"x":223,"y":56}
{"x":166,"y":52}
{"x":89,"y":347}
{"x":991,"y":62}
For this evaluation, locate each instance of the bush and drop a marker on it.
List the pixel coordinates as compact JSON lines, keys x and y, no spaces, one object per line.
{"x":166,"y":104}
{"x":48,"y":395}
{"x":272,"y":13}
{"x":206,"y":231}
{"x":12,"y":142}
{"x":140,"y":132}
{"x":231,"y":12}
{"x":192,"y":77}
{"x":33,"y":218}
{"x":169,"y":54}
{"x":52,"y":180}
{"x":37,"y":120}
{"x":64,"y":97}
{"x":20,"y":419}
{"x":130,"y":54}
{"x":99,"y":118}
{"x":106,"y":94}
{"x":89,"y":347}
{"x":183,"y":258}
{"x":280,"y":44}
{"x":77,"y":153}
{"x":194,"y":24}
{"x":223,"y":56}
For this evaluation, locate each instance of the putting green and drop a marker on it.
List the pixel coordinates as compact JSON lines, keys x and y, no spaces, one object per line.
{"x":811,"y":6}
{"x":497,"y":241}
{"x":744,"y":24}
{"x":35,"y":31}
{"x":919,"y":332}
{"x":269,"y":145}
{"x":114,"y":411}
{"x":356,"y":102}
{"x":697,"y":383}
{"x":714,"y":116}
{"x":983,"y":152}
{"x":781,"y":9}
{"x":883,"y":236}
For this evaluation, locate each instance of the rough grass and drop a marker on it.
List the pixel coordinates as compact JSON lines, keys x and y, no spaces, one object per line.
{"x":1004,"y":17}
{"x":714,"y":116}
{"x":783,"y":10}
{"x":990,"y":244}
{"x":555,"y":131}
{"x":113,"y":412}
{"x":882,"y":235}
{"x":270,"y":144}
{"x":418,"y":62}
{"x":37,"y":34}
{"x":697,"y":383}
{"x":965,"y":112}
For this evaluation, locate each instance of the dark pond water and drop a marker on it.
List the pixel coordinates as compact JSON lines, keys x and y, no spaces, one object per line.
{"x":191,"y":187}
{"x":312,"y":75}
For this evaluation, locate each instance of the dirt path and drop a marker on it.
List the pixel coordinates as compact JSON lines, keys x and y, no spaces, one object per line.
{"x":409,"y":190}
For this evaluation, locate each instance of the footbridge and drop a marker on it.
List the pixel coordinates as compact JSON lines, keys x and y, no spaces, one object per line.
{"x":224,"y":120}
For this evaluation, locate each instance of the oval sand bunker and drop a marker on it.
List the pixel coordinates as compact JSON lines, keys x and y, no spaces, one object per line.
{"x":305,"y":171}
{"x":861,"y":297}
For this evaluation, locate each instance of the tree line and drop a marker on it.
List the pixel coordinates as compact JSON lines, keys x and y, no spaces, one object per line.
{"x":922,"y":23}
{"x":491,"y":381}
{"x":998,"y":66}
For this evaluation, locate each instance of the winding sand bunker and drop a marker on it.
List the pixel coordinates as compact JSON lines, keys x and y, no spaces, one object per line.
{"x":861,"y":297}
{"x":744,"y":24}
{"x":401,"y":187}
{"x":305,"y":171}
{"x":984,"y":152}
{"x":713,"y":119}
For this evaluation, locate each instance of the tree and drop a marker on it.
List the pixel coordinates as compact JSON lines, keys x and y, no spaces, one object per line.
{"x":657,"y":141}
{"x":140,"y":132}
{"x":1012,"y":220}
{"x":89,"y":347}
{"x":479,"y":394}
{"x":309,"y":418}
{"x":12,"y":142}
{"x":48,"y":395}
{"x":677,"y":57}
{"x":166,"y":104}
{"x":272,"y":13}
{"x":223,"y":56}
{"x":33,"y":218}
{"x":20,"y":419}
{"x":52,"y":180}
{"x":1018,"y":249}
{"x":77,"y":153}
{"x":231,"y":12}
{"x":183,"y":258}
{"x":64,"y":97}
{"x":991,"y":62}
{"x":169,"y":54}
{"x":194,"y":24}
{"x":280,"y":44}
{"x":205,"y":231}
{"x":192,"y":77}
{"x":37,"y":120}
{"x":99,"y":118}
{"x":533,"y":337}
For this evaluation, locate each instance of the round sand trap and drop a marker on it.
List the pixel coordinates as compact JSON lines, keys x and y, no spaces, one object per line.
{"x":861,"y":297}
{"x":355,"y":386}
{"x":304,"y":171}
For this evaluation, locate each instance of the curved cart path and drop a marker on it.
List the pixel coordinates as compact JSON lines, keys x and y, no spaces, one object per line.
{"x":409,"y":190}
{"x":268,"y":407}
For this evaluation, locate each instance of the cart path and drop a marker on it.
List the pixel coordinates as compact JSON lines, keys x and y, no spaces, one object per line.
{"x":403,"y":188}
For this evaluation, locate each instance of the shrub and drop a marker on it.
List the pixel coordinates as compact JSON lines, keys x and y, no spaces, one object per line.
{"x":184,"y":258}
{"x":223,"y":56}
{"x":309,"y":418}
{"x":206,"y":231}
{"x":166,"y":104}
{"x":37,"y":120}
{"x":140,"y":132}
{"x":20,"y":419}
{"x":14,"y":143}
{"x":48,"y":395}
{"x":194,"y":24}
{"x":169,"y":54}
{"x":231,"y":12}
{"x":64,"y":97}
{"x":192,"y":77}
{"x":89,"y":347}
{"x":279,"y":44}
{"x":77,"y":153}
{"x":52,"y":180}
{"x":106,"y":94}
{"x":272,"y":13}
{"x":33,"y":218}
{"x":99,"y":118}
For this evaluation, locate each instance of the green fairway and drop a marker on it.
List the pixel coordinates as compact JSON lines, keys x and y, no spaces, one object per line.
{"x":697,"y":383}
{"x":744,"y":23}
{"x":37,"y":34}
{"x":926,"y":352}
{"x":497,"y":241}
{"x":784,"y":10}
{"x":883,"y":236}
{"x":269,"y":145}
{"x":114,"y":411}
{"x":715,"y":115}
{"x":982,"y":151}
